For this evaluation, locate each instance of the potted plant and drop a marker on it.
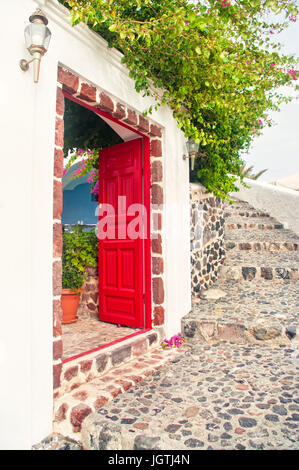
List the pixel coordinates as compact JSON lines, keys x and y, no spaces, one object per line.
{"x":70,"y":296}
{"x":79,"y":251}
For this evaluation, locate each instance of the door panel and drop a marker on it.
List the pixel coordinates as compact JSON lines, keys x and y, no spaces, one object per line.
{"x":120,"y":258}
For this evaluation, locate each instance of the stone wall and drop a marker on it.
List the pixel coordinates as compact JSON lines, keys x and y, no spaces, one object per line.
{"x":206,"y":237}
{"x":89,"y":299}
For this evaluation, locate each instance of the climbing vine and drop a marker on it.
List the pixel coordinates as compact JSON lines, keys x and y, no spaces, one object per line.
{"x":216,"y":63}
{"x":88,"y":165}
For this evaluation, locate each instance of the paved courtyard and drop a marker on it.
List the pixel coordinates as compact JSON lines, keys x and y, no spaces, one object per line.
{"x":90,"y":333}
{"x":233,"y":385}
{"x":220,"y":396}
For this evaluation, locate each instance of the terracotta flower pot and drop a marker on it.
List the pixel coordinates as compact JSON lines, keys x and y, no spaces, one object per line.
{"x":69,"y":304}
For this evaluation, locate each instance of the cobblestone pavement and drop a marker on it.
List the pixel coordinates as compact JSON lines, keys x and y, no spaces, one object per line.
{"x":287,"y":260}
{"x":251,"y":302}
{"x":221,"y":396}
{"x":72,"y":408}
{"x":273,"y":236}
{"x":224,"y":395}
{"x":259,"y":278}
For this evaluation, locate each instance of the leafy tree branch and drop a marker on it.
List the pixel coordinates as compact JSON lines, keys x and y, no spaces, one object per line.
{"x":216,"y":63}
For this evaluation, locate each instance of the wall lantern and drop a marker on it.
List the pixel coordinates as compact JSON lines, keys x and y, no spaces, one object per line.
{"x":192,"y":149}
{"x":37,"y":39}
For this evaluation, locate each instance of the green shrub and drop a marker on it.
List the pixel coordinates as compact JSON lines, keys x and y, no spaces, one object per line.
{"x":80,"y":249}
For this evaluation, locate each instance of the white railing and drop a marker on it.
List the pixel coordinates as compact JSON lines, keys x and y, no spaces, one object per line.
{"x":279,"y":202}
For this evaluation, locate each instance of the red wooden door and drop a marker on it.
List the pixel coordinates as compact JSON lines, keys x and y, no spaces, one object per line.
{"x":120,"y":257}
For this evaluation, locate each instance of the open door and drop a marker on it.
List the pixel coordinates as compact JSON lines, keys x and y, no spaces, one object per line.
{"x":120,"y":257}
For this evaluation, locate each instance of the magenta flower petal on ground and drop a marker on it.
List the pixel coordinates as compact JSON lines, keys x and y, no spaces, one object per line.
{"x":175,"y":341}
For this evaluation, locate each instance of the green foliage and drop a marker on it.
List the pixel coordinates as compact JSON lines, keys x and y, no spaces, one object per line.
{"x":85,"y":129}
{"x":80,"y":249}
{"x":216,"y":64}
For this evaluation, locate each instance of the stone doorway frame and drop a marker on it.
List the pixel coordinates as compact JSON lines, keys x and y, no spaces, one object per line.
{"x":77,"y":88}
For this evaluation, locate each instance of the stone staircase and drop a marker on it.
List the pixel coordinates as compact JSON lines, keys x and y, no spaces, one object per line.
{"x":255,"y":298}
{"x":72,"y":408}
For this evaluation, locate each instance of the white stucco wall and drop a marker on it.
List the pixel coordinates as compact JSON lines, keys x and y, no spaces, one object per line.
{"x":281,"y":203}
{"x":26,"y":197}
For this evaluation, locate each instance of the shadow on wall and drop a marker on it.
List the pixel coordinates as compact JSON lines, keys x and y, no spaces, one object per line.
{"x":79,"y":206}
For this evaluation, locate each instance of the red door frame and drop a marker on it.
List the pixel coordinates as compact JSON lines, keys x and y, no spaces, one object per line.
{"x":147,"y":204}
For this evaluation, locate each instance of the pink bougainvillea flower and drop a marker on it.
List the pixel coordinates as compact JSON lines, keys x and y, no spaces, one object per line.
{"x":83,"y":168}
{"x":175,"y":341}
{"x":294,"y":73}
{"x":95,"y":189}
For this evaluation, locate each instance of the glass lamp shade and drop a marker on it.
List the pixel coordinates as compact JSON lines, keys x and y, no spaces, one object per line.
{"x":192,"y":147}
{"x":37,"y":34}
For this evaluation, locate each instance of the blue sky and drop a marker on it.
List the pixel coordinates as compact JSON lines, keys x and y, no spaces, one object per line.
{"x":278,"y":148}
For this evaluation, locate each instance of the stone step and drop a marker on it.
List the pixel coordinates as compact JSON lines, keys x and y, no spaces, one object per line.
{"x":249,"y":313}
{"x":97,"y":362}
{"x":245,"y":213}
{"x":261,"y":240}
{"x":240,"y":205}
{"x":261,"y":246}
{"x":71,"y":409}
{"x":255,"y":223}
{"x":57,"y":442}
{"x":197,"y":330}
{"x":268,"y":266}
